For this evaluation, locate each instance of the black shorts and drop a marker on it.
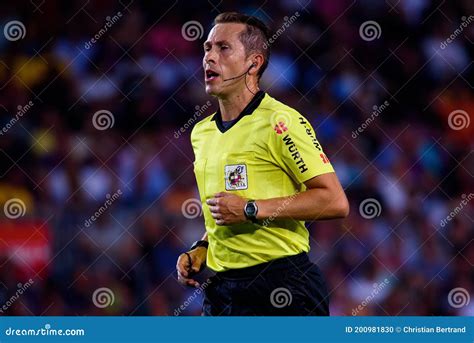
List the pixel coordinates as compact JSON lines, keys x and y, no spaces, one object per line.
{"x":290,"y":286}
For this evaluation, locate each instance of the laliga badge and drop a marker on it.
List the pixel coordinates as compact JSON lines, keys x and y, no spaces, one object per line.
{"x":235,"y":177}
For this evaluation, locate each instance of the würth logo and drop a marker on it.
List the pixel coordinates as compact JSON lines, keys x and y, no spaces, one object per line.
{"x":280,"y":127}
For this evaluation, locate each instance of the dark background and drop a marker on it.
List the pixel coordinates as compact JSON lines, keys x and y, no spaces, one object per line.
{"x":411,"y":159}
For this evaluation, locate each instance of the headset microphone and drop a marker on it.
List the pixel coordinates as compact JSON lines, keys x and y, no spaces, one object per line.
{"x":239,"y":76}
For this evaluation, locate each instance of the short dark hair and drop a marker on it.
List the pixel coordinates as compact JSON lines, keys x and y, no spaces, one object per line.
{"x":254,"y":38}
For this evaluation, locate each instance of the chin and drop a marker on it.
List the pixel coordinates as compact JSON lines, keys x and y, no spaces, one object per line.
{"x":212,"y":91}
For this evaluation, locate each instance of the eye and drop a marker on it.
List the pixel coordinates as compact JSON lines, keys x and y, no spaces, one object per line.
{"x":224,"y":47}
{"x":206,"y":48}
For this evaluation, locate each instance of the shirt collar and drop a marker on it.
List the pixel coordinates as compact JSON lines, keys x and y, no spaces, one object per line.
{"x":249,"y":109}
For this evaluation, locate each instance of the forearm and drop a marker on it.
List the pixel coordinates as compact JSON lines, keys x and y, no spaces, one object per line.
{"x":312,"y":204}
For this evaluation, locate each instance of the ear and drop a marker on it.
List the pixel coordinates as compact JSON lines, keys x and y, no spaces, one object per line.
{"x":256,"y":63}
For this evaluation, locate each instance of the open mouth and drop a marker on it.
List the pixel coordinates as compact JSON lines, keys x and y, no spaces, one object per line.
{"x":211,"y":75}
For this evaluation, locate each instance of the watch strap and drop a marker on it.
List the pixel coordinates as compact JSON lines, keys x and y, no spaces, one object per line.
{"x":198,"y":244}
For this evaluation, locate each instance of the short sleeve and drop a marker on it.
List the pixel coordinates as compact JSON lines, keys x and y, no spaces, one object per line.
{"x":294,"y":146}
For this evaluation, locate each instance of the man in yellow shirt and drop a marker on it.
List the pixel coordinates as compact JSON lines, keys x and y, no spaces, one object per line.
{"x":261,"y":173}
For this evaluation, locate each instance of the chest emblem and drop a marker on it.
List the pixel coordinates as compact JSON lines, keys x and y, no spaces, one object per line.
{"x":235,"y":177}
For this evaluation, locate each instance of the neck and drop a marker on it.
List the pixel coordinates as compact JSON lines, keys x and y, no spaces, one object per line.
{"x":232,"y":105}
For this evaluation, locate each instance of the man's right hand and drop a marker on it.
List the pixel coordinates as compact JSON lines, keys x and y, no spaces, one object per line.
{"x":189,"y":264}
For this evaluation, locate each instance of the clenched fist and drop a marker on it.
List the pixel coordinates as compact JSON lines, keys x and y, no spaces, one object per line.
{"x":190,"y":263}
{"x":227,"y":208}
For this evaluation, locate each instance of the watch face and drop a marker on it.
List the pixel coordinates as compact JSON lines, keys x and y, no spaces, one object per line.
{"x":250,"y":209}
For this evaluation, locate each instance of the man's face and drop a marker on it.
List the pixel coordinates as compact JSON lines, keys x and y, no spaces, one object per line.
{"x":224,"y":58}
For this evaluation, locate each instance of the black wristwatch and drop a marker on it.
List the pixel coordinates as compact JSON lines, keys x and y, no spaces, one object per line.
{"x":251,"y":210}
{"x":198,"y":244}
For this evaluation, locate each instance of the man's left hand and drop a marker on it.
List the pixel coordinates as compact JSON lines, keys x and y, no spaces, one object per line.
{"x":227,"y":208}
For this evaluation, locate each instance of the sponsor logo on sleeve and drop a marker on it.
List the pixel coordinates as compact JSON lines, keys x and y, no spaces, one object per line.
{"x":280,"y":127}
{"x":324,"y":158}
{"x":309,"y":132}
{"x":292,"y":148}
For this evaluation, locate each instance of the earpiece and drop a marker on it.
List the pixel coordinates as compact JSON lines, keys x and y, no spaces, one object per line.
{"x":254,"y":64}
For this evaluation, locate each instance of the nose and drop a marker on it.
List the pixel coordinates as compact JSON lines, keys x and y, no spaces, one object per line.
{"x":209,"y":57}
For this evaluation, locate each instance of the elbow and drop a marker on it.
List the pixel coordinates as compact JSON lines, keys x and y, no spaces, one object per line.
{"x":345,"y":211}
{"x":342,"y":208}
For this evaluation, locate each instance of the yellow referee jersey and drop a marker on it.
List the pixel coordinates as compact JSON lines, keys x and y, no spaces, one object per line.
{"x":268,"y":152}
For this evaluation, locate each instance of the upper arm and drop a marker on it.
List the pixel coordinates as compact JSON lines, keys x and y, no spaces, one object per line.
{"x":328,"y":181}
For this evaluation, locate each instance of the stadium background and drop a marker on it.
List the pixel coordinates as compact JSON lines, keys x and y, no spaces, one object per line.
{"x":94,"y":117}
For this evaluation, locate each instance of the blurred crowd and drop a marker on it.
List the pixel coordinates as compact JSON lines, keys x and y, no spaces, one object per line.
{"x":111,"y":197}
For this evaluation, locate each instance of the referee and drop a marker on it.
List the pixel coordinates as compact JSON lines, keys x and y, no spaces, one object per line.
{"x":261,"y":173}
